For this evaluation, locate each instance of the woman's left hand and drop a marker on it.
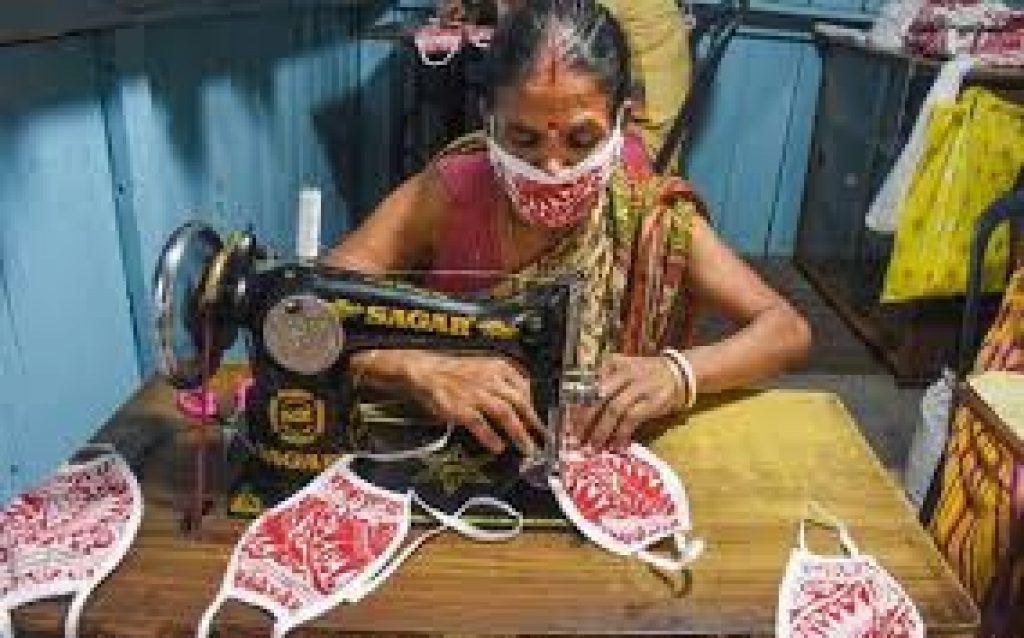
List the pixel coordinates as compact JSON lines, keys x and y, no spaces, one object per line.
{"x":633,"y":390}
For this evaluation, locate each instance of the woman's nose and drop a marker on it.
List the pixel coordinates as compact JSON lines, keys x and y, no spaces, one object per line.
{"x":553,"y":164}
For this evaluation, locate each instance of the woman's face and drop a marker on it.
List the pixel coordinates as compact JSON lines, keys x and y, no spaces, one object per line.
{"x":554,"y":118}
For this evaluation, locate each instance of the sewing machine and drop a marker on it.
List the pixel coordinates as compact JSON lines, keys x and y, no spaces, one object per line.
{"x":303,"y":322}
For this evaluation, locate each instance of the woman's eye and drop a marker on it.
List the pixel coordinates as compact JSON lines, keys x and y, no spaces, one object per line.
{"x":521,"y":138}
{"x":584,"y":140}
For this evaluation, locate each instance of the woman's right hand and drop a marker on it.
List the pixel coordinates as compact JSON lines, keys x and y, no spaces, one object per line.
{"x":487,"y":395}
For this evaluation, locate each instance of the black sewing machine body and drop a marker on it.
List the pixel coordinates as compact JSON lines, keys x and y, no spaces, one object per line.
{"x":304,"y":322}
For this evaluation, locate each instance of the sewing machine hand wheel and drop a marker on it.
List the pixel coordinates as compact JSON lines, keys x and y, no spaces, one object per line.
{"x":193,"y":287}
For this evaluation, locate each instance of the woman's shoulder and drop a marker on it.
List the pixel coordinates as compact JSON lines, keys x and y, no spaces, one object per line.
{"x":464,"y":154}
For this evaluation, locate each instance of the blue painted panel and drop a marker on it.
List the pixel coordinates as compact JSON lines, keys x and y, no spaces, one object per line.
{"x":62,"y":259}
{"x":741,"y":162}
{"x":230,"y":127}
{"x":797,"y":145}
{"x":10,"y":384}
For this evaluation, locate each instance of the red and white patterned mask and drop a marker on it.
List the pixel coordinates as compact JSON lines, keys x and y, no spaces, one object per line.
{"x":626,"y":501}
{"x":849,"y":596}
{"x":437,"y":44}
{"x":65,"y":536}
{"x":332,"y":542}
{"x":555,"y":200}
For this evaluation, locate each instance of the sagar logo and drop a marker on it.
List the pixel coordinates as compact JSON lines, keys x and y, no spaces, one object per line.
{"x":422,"y":320}
{"x":297,"y":416}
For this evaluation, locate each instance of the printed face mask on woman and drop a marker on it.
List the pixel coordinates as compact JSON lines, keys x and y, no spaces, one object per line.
{"x":560,"y":199}
{"x":847,"y":596}
{"x":66,"y":535}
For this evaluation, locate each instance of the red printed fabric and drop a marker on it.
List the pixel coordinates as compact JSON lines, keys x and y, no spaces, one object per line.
{"x":991,"y":32}
{"x":67,"y":532}
{"x":622,"y":495}
{"x":848,"y":598}
{"x":303,"y":554}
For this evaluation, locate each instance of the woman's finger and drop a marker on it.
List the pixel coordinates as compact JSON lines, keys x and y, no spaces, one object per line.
{"x":611,"y":413}
{"x":502,"y":414}
{"x":481,"y":430}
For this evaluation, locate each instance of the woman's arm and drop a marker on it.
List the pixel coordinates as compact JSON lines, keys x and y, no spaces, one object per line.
{"x":399,"y":234}
{"x":485,"y":395}
{"x":773,"y":335}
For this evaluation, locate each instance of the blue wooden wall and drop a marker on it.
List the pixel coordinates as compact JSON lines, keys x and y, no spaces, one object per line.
{"x":109,"y":140}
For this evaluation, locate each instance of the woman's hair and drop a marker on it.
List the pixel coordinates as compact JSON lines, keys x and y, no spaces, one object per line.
{"x":582,"y":34}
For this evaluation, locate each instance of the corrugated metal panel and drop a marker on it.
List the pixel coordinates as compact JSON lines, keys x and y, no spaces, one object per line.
{"x":63,"y":272}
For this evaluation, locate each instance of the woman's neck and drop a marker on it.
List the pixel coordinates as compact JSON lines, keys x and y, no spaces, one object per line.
{"x":521,"y":243}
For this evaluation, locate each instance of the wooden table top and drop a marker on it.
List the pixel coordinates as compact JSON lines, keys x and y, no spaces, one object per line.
{"x":750,"y":463}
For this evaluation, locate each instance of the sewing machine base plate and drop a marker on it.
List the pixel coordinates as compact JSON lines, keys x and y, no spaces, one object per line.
{"x":444,"y":479}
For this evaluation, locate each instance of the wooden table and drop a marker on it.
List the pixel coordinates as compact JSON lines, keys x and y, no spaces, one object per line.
{"x":750,"y":463}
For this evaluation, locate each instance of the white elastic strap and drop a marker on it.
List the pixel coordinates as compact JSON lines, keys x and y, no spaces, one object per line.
{"x":677,"y":373}
{"x":454,"y":522}
{"x":414,"y":453}
{"x":688,"y":551}
{"x":206,"y":622}
{"x":686,"y":369}
{"x":815,"y":512}
{"x":467,"y":529}
{"x":74,"y":617}
{"x":425,"y":57}
{"x":6,"y":625}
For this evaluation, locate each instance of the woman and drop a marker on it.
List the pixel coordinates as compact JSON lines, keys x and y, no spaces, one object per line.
{"x":552,"y":187}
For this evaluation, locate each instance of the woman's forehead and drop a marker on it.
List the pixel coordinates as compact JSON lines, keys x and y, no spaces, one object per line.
{"x":562,"y":95}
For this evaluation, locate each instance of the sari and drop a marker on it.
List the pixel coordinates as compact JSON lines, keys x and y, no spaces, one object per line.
{"x":631,"y":251}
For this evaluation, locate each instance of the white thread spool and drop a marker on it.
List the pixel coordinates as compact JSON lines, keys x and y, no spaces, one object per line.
{"x":307,"y":235}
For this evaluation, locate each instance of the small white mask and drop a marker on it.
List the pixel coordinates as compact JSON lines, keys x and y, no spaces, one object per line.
{"x":848,"y":596}
{"x":332,"y":542}
{"x":65,"y":536}
{"x":626,"y":501}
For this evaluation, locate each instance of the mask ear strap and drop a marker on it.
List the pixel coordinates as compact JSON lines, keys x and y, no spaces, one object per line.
{"x":434,"y":446}
{"x":815,"y":512}
{"x":687,"y":551}
{"x":206,"y":622}
{"x":454,"y":522}
{"x":74,"y":617}
{"x":427,"y":60}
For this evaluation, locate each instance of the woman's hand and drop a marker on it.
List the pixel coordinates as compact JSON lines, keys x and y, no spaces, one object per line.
{"x":633,"y":390}
{"x":485,"y":395}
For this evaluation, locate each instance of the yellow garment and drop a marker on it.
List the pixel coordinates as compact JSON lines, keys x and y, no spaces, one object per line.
{"x":973,"y":153}
{"x":980,"y":513}
{"x":659,"y":49}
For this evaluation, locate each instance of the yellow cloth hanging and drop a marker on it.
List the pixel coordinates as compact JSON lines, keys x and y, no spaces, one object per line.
{"x":973,"y":153}
{"x":659,"y":49}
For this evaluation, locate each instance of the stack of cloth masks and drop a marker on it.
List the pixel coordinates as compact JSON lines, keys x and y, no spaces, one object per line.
{"x":990,"y":32}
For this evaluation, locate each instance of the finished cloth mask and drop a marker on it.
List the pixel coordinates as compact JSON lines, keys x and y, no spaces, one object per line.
{"x":332,"y":542}
{"x":849,"y":596}
{"x":561,"y":199}
{"x":65,"y":536}
{"x":437,"y":44}
{"x":626,"y":502}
